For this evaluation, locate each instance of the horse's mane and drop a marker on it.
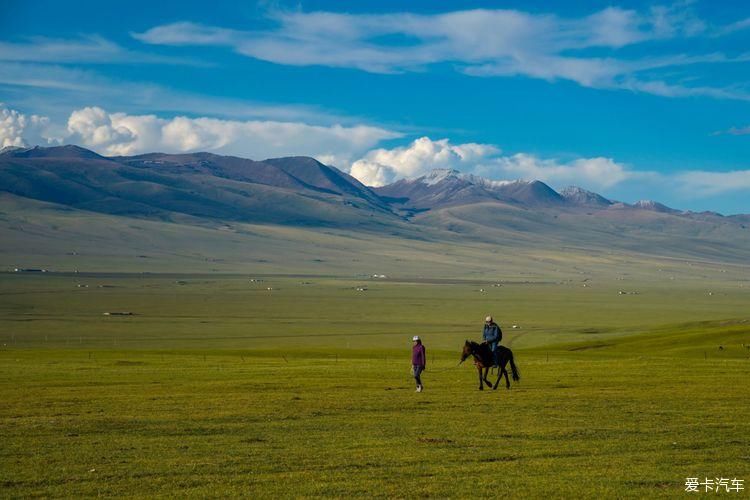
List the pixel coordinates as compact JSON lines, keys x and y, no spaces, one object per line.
{"x":481,"y":350}
{"x":473,"y":344}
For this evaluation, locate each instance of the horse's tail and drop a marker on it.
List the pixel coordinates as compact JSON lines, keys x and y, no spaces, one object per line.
{"x":513,"y":367}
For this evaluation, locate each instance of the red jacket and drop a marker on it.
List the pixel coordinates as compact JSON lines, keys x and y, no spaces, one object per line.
{"x":418,"y":355}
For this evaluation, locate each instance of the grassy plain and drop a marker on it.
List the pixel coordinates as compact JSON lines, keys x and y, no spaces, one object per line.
{"x":217,"y":386}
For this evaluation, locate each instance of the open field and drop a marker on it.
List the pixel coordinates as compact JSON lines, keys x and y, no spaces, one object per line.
{"x":453,"y":243}
{"x":218,"y":386}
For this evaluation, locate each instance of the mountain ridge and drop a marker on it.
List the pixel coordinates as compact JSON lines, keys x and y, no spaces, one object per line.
{"x":195,"y":184}
{"x":437,"y":189}
{"x":235,"y":198}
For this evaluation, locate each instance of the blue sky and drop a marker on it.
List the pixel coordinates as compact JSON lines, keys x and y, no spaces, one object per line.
{"x":634,"y":100}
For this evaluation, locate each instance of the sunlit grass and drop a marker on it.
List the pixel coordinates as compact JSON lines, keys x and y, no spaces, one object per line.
{"x":219,"y":387}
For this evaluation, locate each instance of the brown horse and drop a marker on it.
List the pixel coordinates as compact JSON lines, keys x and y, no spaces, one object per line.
{"x":483,"y":360}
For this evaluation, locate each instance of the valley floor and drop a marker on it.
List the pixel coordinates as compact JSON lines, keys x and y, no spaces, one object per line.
{"x":218,"y":386}
{"x":146,"y":424}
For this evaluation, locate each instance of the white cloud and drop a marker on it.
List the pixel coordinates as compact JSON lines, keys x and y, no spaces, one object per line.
{"x":605,"y":175}
{"x":186,"y":33}
{"x":480,"y":42}
{"x":12,"y":125}
{"x":50,"y":77}
{"x":737,"y":26}
{"x":123,"y":134}
{"x":382,"y":166}
{"x":55,"y":89}
{"x":678,"y":18}
{"x":703,"y":184}
{"x":470,"y":36}
{"x":20,"y":130}
{"x":664,"y":89}
{"x":592,"y":173}
{"x":733,"y":131}
{"x":86,"y":49}
{"x":372,"y":174}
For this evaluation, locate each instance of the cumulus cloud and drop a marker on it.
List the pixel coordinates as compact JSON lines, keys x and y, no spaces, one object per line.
{"x":124,"y":134}
{"x":479,"y":42}
{"x":12,"y":125}
{"x":606,"y":175}
{"x":372,"y":174}
{"x":382,"y":166}
{"x":593,"y":173}
{"x":20,"y":130}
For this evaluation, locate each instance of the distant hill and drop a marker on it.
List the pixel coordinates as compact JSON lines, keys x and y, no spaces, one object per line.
{"x":580,"y":197}
{"x":654,"y":206}
{"x":443,"y":187}
{"x":67,"y":151}
{"x":283,"y":213}
{"x":297,"y":191}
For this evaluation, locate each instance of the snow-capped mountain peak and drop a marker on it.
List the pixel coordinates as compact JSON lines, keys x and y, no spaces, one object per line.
{"x":439,"y":175}
{"x":579,"y":196}
{"x":654,"y":206}
{"x":442,"y":187}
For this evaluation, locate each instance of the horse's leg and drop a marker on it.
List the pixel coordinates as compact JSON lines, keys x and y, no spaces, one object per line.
{"x":507,"y":380}
{"x":486,"y":373}
{"x":500,"y":371}
{"x":481,"y":384}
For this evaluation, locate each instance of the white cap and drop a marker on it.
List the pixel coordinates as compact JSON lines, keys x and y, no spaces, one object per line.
{"x":415,"y":338}
{"x":488,"y":319}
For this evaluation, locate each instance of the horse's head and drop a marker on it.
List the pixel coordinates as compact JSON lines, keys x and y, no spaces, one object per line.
{"x":467,"y":351}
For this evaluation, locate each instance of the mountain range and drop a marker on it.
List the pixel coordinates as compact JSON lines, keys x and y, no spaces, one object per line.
{"x":284,"y":191}
{"x":299,"y":193}
{"x":209,"y":185}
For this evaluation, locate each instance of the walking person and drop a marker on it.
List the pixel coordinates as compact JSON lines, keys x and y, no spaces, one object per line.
{"x":492,"y":335}
{"x":418,"y":361}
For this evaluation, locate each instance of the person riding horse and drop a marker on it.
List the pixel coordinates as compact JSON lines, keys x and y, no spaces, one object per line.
{"x":492,"y":336}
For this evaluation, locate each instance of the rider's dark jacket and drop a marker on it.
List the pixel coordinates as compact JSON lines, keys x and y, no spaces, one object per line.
{"x":492,"y":333}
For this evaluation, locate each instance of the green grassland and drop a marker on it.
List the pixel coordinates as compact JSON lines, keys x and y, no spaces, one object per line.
{"x":473,"y":242}
{"x":218,"y":386}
